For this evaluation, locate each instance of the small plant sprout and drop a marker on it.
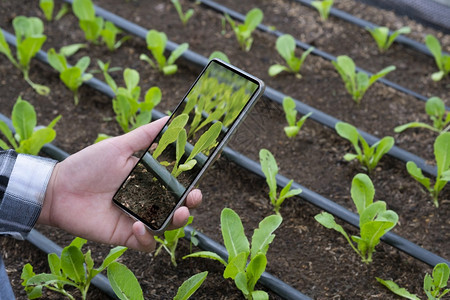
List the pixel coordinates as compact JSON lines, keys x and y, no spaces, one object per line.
{"x":323,"y":7}
{"x":89,"y":23}
{"x":76,"y":269}
{"x":357,"y":83}
{"x":374,"y":220}
{"x":442,"y":60}
{"x":435,"y":109}
{"x":244,"y":275}
{"x":130,"y":112}
{"x":382,"y":37}
{"x":72,"y":76}
{"x":220,"y":55}
{"x":109,"y":35}
{"x":184,"y":17}
{"x":286,"y":48}
{"x":27,"y":139}
{"x":190,"y":286}
{"x":156,"y":43}
{"x":291,"y":117}
{"x":442,"y":156}
{"x":244,"y":31}
{"x":30,"y":38}
{"x":433,"y":285}
{"x":170,"y":241}
{"x":368,"y":156}
{"x":47,"y":8}
{"x":270,"y":170}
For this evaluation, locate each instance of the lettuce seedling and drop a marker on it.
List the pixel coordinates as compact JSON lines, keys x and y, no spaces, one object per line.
{"x":374,"y":220}
{"x":433,"y":285}
{"x":220,"y":55}
{"x":291,"y":117}
{"x":75,"y":269}
{"x":285,"y":46}
{"x":184,"y":17}
{"x":435,"y":109}
{"x":442,"y":156}
{"x":27,"y":139}
{"x":270,"y":170}
{"x":29,"y":38}
{"x":357,"y":83}
{"x":109,"y":35}
{"x":368,"y":156}
{"x":72,"y":76}
{"x":382,"y":37}
{"x":130,"y":112}
{"x":170,"y":241}
{"x":156,"y":43}
{"x":89,"y":23}
{"x":442,"y":60}
{"x":323,"y":7}
{"x":47,"y":8}
{"x":244,"y":275}
{"x":190,"y":286}
{"x":244,"y":31}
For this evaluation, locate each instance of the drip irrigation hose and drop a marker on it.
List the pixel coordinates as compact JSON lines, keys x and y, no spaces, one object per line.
{"x":270,"y":93}
{"x":401,"y":39}
{"x":235,"y":15}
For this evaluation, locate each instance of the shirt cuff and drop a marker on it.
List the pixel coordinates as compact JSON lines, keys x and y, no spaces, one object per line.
{"x":25,"y":194}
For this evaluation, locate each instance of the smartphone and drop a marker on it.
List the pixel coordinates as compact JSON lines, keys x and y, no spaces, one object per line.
{"x":196,"y":131}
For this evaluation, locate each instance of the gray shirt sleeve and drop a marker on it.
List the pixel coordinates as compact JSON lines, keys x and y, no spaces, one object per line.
{"x":23,"y":182}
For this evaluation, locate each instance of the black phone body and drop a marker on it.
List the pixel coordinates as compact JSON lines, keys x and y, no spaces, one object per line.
{"x":196,"y":131}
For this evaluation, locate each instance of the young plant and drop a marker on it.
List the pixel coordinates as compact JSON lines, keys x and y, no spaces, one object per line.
{"x":156,"y":43}
{"x":72,"y":76}
{"x":170,"y":241}
{"x":47,"y":8}
{"x":368,"y":156}
{"x":89,"y":23}
{"x":26,"y":139}
{"x":184,"y":17}
{"x":382,"y":37}
{"x":220,"y":55}
{"x":29,"y":38}
{"x":286,"y":48}
{"x":244,"y":31}
{"x":190,"y":286}
{"x":435,"y":109}
{"x":270,"y":170}
{"x":323,"y":7}
{"x":130,"y":112}
{"x":374,"y":220}
{"x":442,"y":60}
{"x":357,"y":83}
{"x":75,"y":269}
{"x":291,"y":117}
{"x":109,"y":36}
{"x":434,"y":286}
{"x":244,"y":275}
{"x":442,"y":156}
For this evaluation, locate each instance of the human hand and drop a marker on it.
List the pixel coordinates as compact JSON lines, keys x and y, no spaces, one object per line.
{"x":80,"y":191}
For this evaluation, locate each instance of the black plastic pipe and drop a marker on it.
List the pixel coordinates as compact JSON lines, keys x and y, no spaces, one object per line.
{"x":401,"y":39}
{"x":270,"y":93}
{"x":240,"y":17}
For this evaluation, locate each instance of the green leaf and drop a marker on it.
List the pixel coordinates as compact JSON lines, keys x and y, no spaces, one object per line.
{"x":23,"y":118}
{"x":70,"y":50}
{"x":72,"y":261}
{"x":55,"y":263}
{"x":241,"y":283}
{"x":220,"y":55}
{"x":270,"y":170}
{"x":442,"y":152}
{"x":78,"y":242}
{"x":434,"y":46}
{"x":253,"y":18}
{"x":4,"y":129}
{"x":276,"y":69}
{"x":393,"y":287}
{"x":382,"y":147}
{"x":112,"y":256}
{"x":285,"y":46}
{"x":83,"y":63}
{"x":417,"y":174}
{"x":260,"y":295}
{"x":4,"y":48}
{"x":380,"y":74}
{"x":72,"y":78}
{"x":156,"y":43}
{"x":171,"y":134}
{"x":28,"y":48}
{"x":289,"y":110}
{"x":371,"y":211}
{"x":371,"y":232}
{"x":56,"y":60}
{"x":255,"y":269}
{"x":233,"y":233}
{"x":348,"y":132}
{"x":207,"y":254}
{"x":177,"y":53}
{"x":47,"y":8}
{"x":27,"y":273}
{"x":190,"y":286}
{"x":123,"y":282}
{"x":441,"y":273}
{"x":131,"y":78}
{"x":263,"y":235}
{"x":403,"y":127}
{"x":206,"y":140}
{"x":236,"y":265}
{"x":83,"y":9}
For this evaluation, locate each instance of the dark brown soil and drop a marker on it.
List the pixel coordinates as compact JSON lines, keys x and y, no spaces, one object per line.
{"x":314,"y":260}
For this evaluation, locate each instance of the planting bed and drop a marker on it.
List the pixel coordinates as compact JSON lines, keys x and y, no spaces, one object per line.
{"x":316,"y":261}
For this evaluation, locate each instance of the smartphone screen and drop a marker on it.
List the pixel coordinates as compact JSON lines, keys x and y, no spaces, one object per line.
{"x":194,"y":134}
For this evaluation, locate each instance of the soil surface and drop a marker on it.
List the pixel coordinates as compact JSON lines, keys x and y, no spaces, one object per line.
{"x":316,"y":261}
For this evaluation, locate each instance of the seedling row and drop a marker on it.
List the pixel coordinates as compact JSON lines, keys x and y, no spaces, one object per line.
{"x":306,"y":123}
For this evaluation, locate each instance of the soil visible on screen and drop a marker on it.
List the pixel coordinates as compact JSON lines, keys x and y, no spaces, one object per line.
{"x":316,"y":261}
